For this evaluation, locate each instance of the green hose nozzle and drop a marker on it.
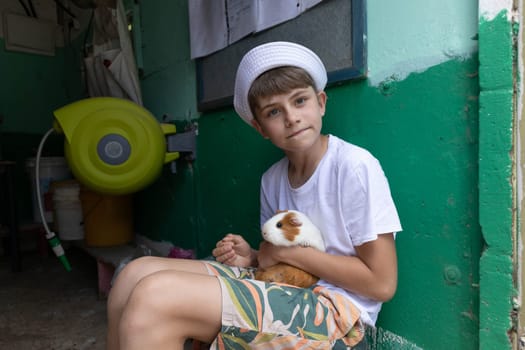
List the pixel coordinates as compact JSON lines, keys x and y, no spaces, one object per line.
{"x":55,"y":244}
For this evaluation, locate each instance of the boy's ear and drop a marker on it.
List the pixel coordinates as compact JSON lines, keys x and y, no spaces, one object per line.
{"x":257,"y":127}
{"x":321,"y":99}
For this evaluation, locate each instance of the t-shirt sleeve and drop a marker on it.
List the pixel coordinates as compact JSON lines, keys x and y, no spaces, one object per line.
{"x":270,"y":189}
{"x":266,"y":210}
{"x":371,"y":209}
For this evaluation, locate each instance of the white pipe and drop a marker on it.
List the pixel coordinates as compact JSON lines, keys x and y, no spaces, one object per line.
{"x":50,"y":235}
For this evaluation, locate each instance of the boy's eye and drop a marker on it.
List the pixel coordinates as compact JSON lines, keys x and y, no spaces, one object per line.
{"x":273,"y":112}
{"x":300,"y":101}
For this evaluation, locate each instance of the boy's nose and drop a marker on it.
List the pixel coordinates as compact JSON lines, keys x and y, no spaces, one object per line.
{"x":291,"y":117}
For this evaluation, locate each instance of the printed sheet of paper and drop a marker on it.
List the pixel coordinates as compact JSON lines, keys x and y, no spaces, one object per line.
{"x":219,"y":23}
{"x":241,"y":16}
{"x":208,"y":29}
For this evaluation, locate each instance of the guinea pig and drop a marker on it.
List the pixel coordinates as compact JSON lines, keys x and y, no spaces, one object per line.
{"x":289,"y":228}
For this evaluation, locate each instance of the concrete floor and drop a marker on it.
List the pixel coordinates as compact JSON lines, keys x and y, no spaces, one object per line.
{"x":46,"y":307}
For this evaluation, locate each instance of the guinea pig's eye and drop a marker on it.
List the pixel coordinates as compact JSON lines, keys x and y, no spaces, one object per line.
{"x":279,"y":224}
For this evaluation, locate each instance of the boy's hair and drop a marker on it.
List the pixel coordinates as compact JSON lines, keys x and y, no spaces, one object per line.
{"x":278,"y":81}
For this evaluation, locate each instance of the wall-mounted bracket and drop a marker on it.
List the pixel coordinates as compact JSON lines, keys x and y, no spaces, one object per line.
{"x":185,"y":143}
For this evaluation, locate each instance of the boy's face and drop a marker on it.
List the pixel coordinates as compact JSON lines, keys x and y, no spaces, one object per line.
{"x":292,"y":121}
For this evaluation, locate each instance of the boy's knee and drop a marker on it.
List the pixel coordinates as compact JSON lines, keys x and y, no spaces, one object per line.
{"x":134,"y":321}
{"x":139,"y":264}
{"x":141,"y":305}
{"x":134,"y":270}
{"x":150,"y":293}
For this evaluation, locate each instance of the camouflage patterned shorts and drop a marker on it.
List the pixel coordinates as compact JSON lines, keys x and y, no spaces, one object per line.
{"x":259,"y":315}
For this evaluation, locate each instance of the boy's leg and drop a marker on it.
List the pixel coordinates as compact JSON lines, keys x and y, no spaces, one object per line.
{"x":128,"y":279}
{"x":167,"y":307}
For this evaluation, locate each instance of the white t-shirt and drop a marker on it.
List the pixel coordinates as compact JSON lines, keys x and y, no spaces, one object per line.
{"x":347,"y":198}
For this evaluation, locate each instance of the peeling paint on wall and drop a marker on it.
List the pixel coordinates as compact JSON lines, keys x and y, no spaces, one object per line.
{"x":488,"y":9}
{"x":410,"y":36}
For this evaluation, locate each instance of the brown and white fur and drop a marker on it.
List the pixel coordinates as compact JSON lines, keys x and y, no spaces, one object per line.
{"x":290,"y":228}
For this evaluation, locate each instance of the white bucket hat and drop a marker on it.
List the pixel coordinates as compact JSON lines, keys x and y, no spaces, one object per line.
{"x":268,"y":56}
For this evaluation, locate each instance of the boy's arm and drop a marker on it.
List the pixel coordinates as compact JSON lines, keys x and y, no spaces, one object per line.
{"x":372,"y":273}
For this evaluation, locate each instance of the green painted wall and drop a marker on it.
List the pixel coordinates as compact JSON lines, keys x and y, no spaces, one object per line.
{"x":33,"y":86}
{"x":497,"y":217}
{"x":426,"y":139}
{"x":168,"y":81}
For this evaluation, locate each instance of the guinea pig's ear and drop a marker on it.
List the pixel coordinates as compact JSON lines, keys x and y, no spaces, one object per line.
{"x":295,"y":221}
{"x":278,"y":211}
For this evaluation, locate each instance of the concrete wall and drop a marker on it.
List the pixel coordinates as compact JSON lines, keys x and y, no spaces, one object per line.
{"x":497,"y":174}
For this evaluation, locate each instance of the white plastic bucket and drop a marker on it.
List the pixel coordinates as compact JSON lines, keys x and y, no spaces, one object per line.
{"x":69,"y":221}
{"x":51,"y":169}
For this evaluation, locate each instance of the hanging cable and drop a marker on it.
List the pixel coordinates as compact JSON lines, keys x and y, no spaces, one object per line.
{"x":53,"y":240}
{"x":26,"y":9}
{"x":63,"y":7}
{"x":87,"y":33}
{"x":32,"y":8}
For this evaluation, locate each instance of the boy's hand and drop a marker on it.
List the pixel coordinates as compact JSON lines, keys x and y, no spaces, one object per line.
{"x":267,"y":254}
{"x":235,"y":251}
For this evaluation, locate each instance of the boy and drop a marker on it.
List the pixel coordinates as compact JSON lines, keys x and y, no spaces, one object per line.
{"x":158,"y":303}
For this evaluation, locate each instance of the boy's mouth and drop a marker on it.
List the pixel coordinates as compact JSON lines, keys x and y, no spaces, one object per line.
{"x":300,"y":131}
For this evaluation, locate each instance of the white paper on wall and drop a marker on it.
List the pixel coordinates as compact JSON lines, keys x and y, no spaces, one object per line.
{"x":216,"y":24}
